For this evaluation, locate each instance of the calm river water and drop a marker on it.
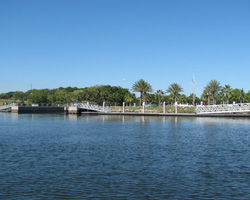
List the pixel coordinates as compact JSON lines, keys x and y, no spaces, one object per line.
{"x":45,"y":156}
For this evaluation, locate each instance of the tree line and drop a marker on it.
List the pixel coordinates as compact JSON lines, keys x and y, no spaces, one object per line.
{"x":112,"y":95}
{"x":219,"y":94}
{"x":213,"y":93}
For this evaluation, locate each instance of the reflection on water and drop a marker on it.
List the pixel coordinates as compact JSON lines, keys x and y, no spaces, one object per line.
{"x":56,"y":156}
{"x":124,"y":118}
{"x":174,"y":119}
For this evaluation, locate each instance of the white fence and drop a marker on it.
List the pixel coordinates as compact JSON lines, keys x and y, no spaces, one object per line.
{"x":223,"y":108}
{"x":92,"y":107}
{"x":5,"y":107}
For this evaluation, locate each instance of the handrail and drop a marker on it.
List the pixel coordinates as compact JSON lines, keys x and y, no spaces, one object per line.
{"x":88,"y":106}
{"x":7,"y":106}
{"x":223,"y":108}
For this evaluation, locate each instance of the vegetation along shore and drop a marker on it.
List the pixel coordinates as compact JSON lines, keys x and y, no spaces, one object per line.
{"x":114,"y":96}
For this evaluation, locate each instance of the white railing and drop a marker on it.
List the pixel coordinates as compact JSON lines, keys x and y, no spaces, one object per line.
{"x":7,"y":106}
{"x":223,"y":108}
{"x":92,"y":107}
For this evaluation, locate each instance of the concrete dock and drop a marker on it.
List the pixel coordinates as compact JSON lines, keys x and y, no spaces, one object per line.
{"x":75,"y":110}
{"x":167,"y":114}
{"x":26,"y":109}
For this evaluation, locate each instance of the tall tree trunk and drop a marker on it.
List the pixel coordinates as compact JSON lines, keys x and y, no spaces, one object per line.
{"x":141,"y":99}
{"x":145,"y":98}
{"x":208,"y":99}
{"x":213,"y":98}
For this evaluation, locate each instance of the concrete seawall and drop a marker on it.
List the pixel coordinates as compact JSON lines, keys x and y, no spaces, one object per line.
{"x":75,"y":110}
{"x":169,"y":114}
{"x":20,"y":109}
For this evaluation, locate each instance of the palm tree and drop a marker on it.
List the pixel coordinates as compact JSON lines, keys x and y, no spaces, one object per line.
{"x":174,"y":89}
{"x":207,"y":93}
{"x":129,"y":98}
{"x":242,"y":96}
{"x":221,"y":96}
{"x":148,"y":88}
{"x":143,"y":87}
{"x":227,"y":90}
{"x":159,"y":93}
{"x":214,"y":87}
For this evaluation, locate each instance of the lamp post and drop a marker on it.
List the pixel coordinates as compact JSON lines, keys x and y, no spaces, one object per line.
{"x":193,"y":82}
{"x":31,"y":95}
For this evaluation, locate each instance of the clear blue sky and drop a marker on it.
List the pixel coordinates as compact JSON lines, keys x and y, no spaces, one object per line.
{"x":87,"y":42}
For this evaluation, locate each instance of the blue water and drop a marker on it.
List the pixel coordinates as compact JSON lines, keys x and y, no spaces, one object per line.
{"x":44,"y":156}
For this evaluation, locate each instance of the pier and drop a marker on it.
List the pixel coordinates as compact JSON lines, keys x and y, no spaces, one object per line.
{"x":230,"y":110}
{"x":16,"y":108}
{"x":76,"y":108}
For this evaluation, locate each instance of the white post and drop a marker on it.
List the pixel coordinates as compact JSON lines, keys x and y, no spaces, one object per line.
{"x":134,"y":104}
{"x":103,"y":106}
{"x":123,"y":104}
{"x":164,"y":107}
{"x":175,"y":107}
{"x":143,"y":104}
{"x":201,"y":103}
{"x":233,"y":102}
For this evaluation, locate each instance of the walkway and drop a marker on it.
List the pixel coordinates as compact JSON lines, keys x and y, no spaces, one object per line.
{"x":223,"y":108}
{"x":92,"y":107}
{"x":7,"y":107}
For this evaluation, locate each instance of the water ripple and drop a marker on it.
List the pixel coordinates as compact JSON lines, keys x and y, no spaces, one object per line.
{"x":55,"y":157}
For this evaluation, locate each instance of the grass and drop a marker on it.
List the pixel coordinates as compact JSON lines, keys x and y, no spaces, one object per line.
{"x":3,"y":101}
{"x":153,"y":109}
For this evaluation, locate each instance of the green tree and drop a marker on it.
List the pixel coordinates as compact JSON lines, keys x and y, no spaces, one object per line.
{"x":182,"y":98}
{"x":112,"y":95}
{"x":94,"y":94}
{"x":39,"y":96}
{"x":159,"y":94}
{"x":174,"y":89}
{"x":247,"y":96}
{"x":206,"y":94}
{"x":152,"y":98}
{"x":143,"y":87}
{"x":242,"y":96}
{"x":220,"y":96}
{"x":7,"y":95}
{"x":115,"y":98}
{"x":130,"y":98}
{"x":227,"y":90}
{"x":117,"y":95}
{"x":235,"y":95}
{"x":214,"y":87}
{"x":70,"y":89}
{"x":18,"y":95}
{"x":105,"y":90}
{"x":85,"y":94}
{"x":60,"y":96}
{"x":76,"y":96}
{"x":197,"y":99}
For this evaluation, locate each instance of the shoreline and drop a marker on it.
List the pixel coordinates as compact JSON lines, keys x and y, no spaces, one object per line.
{"x":64,"y":110}
{"x":167,"y":114}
